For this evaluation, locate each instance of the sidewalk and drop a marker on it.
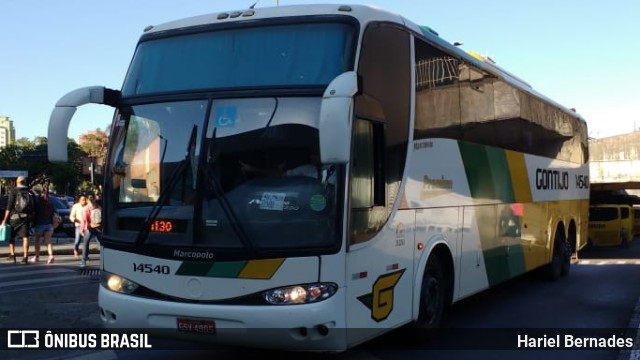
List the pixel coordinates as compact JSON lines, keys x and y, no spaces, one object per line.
{"x":62,"y":245}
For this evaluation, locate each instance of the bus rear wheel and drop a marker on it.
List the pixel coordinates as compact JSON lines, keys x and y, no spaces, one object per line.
{"x":561,"y":257}
{"x":432,"y":300}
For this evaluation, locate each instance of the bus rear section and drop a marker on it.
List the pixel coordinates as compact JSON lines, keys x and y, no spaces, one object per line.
{"x":609,"y":224}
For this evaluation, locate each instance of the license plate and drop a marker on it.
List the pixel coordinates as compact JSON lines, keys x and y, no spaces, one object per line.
{"x":196,"y":326}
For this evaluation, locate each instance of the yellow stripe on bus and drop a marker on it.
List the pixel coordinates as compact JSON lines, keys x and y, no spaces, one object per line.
{"x":519,"y":177}
{"x":261,"y":269}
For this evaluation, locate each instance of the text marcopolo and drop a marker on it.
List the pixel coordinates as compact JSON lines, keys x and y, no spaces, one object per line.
{"x":193,"y":254}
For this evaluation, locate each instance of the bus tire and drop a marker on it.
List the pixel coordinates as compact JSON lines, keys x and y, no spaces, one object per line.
{"x":432,"y":300}
{"x":561,"y":257}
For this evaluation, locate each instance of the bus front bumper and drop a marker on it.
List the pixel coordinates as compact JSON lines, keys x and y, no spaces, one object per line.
{"x":314,"y":327}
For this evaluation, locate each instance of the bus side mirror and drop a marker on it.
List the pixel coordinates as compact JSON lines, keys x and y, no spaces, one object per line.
{"x":63,"y":112}
{"x":335,"y":118}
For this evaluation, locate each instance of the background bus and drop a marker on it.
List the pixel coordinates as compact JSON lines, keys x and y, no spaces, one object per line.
{"x":606,"y":223}
{"x":636,"y":221}
{"x":439,"y":175}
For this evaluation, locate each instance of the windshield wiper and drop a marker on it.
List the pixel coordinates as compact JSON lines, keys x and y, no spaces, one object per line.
{"x":236,"y":226}
{"x":176,"y":175}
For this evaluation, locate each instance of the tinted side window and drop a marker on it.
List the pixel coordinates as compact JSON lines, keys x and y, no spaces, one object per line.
{"x":382,"y":128}
{"x":624,"y":213}
{"x":603,"y":214}
{"x":458,"y":100}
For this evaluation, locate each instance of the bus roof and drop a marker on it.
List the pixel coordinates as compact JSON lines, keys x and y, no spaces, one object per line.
{"x":364,"y":14}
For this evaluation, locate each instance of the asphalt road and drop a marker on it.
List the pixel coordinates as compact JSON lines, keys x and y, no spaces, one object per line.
{"x":600,"y":292}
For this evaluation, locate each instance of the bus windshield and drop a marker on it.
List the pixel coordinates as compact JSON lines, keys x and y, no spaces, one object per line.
{"x":254,"y":184}
{"x":265,"y":56}
{"x":220,"y":172}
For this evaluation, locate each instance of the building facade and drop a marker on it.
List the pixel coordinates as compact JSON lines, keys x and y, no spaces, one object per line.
{"x":614,"y":163}
{"x":7,"y":132}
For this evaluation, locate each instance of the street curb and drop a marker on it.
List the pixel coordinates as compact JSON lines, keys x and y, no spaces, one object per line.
{"x":61,"y":246}
{"x":634,"y":324}
{"x":43,"y":251}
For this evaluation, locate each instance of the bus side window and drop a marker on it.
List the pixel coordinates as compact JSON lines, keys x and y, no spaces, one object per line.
{"x":368,"y":211}
{"x":381,"y":128}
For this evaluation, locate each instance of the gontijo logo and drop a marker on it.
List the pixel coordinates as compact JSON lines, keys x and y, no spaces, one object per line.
{"x":548,"y":179}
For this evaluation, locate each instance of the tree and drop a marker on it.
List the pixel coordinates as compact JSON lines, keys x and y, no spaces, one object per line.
{"x":25,"y":144}
{"x":67,"y":177}
{"x":31,"y":156}
{"x":11,"y":157}
{"x":40,"y":140}
{"x":64,"y":178}
{"x":94,"y":143}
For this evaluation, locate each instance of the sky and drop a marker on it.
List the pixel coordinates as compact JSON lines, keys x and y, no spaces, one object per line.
{"x":584,"y":54}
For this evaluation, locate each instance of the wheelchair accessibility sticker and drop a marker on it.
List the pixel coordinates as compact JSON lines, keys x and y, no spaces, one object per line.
{"x":226,"y":116}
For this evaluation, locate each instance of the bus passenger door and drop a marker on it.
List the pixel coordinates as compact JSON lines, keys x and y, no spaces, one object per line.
{"x":381,"y":241}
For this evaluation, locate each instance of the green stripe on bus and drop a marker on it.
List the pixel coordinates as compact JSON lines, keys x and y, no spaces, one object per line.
{"x":488,"y":172}
{"x":252,"y":269}
{"x":503,"y":188}
{"x":502,"y":250}
{"x":504,"y":262}
{"x":194,"y":268}
{"x":478,"y":170}
{"x":226,"y":269}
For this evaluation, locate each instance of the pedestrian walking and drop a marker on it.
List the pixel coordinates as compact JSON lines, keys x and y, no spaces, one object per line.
{"x":91,"y":226}
{"x":76,"y":215}
{"x":19,"y":213}
{"x":43,"y":223}
{"x":624,"y":238}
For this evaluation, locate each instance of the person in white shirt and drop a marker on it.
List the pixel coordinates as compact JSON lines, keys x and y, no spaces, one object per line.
{"x":76,"y":216}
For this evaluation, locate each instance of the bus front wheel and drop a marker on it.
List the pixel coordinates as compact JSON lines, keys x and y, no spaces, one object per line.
{"x":432,"y":299}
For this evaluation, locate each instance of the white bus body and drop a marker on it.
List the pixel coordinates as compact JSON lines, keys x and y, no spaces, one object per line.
{"x":439,"y":176}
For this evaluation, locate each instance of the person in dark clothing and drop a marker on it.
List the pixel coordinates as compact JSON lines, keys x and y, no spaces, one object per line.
{"x":43,"y":223}
{"x":20,"y":221}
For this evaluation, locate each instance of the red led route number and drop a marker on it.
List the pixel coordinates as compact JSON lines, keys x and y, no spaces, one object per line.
{"x":163,"y":226}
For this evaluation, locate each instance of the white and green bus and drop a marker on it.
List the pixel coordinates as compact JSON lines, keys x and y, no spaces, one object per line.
{"x":436,"y":175}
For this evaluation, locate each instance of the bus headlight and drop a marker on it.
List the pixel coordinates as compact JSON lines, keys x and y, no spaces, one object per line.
{"x":300,"y":294}
{"x":117,"y":283}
